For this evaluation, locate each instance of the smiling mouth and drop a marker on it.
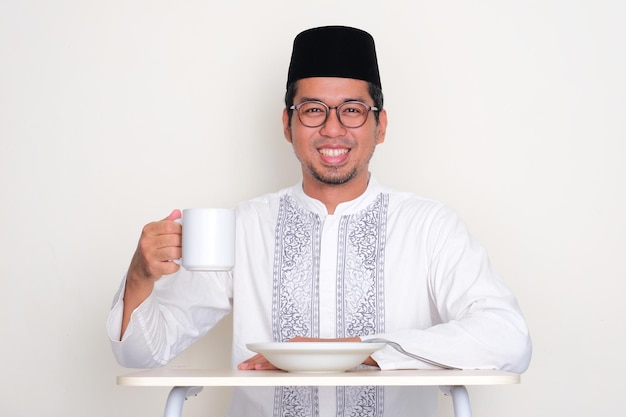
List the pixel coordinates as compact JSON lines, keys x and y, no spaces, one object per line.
{"x":333,"y":152}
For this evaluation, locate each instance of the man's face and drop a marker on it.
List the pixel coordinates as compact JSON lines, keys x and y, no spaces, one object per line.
{"x":333,"y":154}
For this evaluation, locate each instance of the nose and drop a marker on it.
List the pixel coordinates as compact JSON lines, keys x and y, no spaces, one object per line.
{"x":333,"y":126}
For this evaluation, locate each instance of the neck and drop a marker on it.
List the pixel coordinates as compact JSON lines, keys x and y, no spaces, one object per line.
{"x":331,"y":195}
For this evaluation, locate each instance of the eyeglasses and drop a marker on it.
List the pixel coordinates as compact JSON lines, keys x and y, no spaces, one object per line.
{"x":351,"y":114}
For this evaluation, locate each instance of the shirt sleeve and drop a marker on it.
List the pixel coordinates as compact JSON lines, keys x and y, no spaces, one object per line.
{"x":479,"y":323}
{"x":181,"y":309}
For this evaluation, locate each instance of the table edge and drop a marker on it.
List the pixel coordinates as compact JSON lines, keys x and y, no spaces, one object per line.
{"x":228,"y":378}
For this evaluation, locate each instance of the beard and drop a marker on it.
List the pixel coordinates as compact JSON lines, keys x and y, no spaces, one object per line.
{"x":333,"y":177}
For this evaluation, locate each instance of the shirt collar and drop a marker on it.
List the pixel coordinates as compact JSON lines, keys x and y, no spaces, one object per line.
{"x":345,"y":208}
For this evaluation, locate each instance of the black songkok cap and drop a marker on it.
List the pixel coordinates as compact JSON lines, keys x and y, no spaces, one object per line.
{"x":334,"y":51}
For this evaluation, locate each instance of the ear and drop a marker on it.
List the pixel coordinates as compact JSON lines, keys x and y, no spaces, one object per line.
{"x":286,"y":127}
{"x":381,"y":130}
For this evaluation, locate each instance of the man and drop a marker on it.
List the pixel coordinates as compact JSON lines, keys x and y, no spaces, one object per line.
{"x":337,"y":256}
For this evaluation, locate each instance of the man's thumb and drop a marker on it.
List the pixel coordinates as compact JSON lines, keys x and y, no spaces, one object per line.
{"x":175,"y":214}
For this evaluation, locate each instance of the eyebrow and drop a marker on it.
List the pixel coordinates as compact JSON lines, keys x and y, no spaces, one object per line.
{"x":303,"y":99}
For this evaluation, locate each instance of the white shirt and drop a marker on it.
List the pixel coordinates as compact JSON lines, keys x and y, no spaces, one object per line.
{"x":388,"y":264}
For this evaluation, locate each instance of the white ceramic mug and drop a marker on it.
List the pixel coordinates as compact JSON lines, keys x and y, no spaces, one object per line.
{"x":208,"y":239}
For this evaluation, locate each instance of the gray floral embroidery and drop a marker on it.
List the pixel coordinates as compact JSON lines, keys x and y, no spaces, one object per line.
{"x":360,"y":284}
{"x":360,"y":294}
{"x":296,"y":262}
{"x":360,"y":401}
{"x":296,"y":402}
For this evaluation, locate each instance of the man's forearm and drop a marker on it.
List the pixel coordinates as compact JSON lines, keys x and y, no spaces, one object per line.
{"x":135,"y":293}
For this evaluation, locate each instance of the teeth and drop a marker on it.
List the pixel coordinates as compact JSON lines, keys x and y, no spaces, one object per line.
{"x":333,"y":152}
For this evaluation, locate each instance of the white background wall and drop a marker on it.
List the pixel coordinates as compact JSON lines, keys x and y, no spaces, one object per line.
{"x":114,"y":112}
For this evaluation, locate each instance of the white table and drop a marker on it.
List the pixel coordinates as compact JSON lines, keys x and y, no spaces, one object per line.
{"x":187,"y":382}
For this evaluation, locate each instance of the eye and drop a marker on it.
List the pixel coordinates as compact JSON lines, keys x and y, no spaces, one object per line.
{"x":353,"y":109}
{"x":312,"y":109}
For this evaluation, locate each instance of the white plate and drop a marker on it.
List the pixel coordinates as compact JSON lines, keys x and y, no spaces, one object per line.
{"x":315,"y":356}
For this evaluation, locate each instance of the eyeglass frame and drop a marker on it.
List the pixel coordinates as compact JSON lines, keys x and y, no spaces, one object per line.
{"x":369,"y":109}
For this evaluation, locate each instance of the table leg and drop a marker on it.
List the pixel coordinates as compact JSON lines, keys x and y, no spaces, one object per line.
{"x":461,"y":401}
{"x":176,"y":400}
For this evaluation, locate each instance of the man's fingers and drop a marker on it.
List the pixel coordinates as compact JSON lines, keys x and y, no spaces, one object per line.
{"x":167,"y":242}
{"x":161,"y":227}
{"x":169,"y":268}
{"x":257,"y":362}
